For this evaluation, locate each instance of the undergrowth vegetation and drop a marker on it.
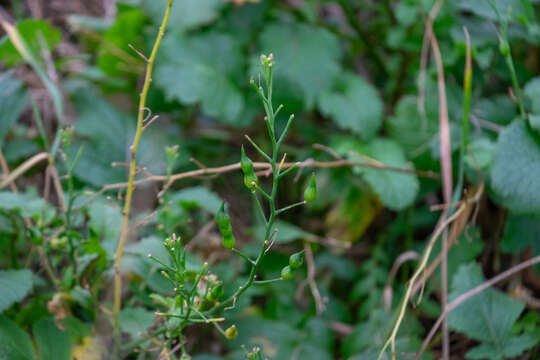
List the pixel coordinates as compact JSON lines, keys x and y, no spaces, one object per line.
{"x":159,"y":199}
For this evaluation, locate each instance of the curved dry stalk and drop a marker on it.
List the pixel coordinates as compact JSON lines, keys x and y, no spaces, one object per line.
{"x":24,"y":167}
{"x":131,"y":179}
{"x":474,"y":291}
{"x":423,"y":262}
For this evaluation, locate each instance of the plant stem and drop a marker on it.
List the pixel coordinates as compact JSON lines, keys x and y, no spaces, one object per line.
{"x":131,"y":178}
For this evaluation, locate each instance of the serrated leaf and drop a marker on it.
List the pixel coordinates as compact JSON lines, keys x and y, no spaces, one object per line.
{"x":185,"y":14}
{"x":495,"y":313}
{"x":516,"y":168}
{"x":396,"y":190}
{"x":15,"y":344}
{"x":14,"y":286}
{"x":106,"y":133}
{"x":35,"y":33}
{"x":52,"y":343}
{"x":197,"y":196}
{"x":520,"y":232}
{"x":114,"y":55}
{"x":28,"y":204}
{"x":308,"y":59}
{"x":135,"y":321}
{"x":201,"y":69}
{"x":354,"y":106}
{"x":13,"y":97}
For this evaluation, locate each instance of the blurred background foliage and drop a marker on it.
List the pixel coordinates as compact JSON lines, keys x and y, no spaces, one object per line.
{"x":350,"y":71}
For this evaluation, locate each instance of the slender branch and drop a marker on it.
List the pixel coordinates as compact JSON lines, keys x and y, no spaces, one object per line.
{"x":24,"y":167}
{"x":131,"y":180}
{"x":474,"y":291}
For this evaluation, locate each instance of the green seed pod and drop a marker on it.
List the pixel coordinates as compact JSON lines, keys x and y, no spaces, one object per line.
{"x":250,"y":179}
{"x":222,"y":217}
{"x":504,"y":48}
{"x":215,"y":293}
{"x":287,"y":273}
{"x":231,"y":332}
{"x":228,"y":241}
{"x":311,"y":191}
{"x":296,"y":260}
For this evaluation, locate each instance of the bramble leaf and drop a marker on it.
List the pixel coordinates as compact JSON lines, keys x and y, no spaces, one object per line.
{"x":14,"y":286}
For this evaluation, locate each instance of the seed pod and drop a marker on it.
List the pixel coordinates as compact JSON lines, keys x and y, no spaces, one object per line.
{"x":296,"y":260}
{"x":250,"y":179}
{"x":504,"y":48}
{"x":287,"y":273}
{"x":215,"y":293}
{"x":311,"y":191}
{"x":222,"y":217}
{"x":228,"y":241}
{"x":231,"y":332}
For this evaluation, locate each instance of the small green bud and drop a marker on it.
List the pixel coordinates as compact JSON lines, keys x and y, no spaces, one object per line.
{"x":287,"y":273}
{"x":311,"y":191}
{"x":231,"y":332}
{"x":251,"y":181}
{"x":296,"y":260}
{"x":172,"y":154}
{"x":66,"y":135}
{"x":504,"y":48}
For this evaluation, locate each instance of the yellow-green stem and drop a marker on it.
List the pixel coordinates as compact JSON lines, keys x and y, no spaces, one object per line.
{"x":131,"y":178}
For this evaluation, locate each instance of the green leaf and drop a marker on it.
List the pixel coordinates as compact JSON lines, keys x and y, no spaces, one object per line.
{"x":106,"y":221}
{"x":354,"y":106}
{"x":306,"y":56}
{"x":396,"y":190}
{"x":14,"y":286}
{"x":508,"y":9}
{"x":185,"y":14}
{"x":135,"y":321}
{"x":114,"y":55}
{"x":516,"y":168}
{"x":15,"y":344}
{"x":36,"y":34}
{"x":52,"y":343}
{"x":286,"y":234}
{"x":520,"y":232}
{"x":13,"y":98}
{"x":495,"y":314}
{"x":106,"y":134}
{"x":412,"y":131}
{"x":28,"y":204}
{"x":199,"y":197}
{"x":200,"y":69}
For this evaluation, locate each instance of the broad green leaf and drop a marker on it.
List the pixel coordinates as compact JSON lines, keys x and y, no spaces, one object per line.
{"x":354,"y":105}
{"x":52,"y":343}
{"x":28,"y":204}
{"x":135,"y":321}
{"x":306,"y":56}
{"x":286,"y":234}
{"x":516,"y":168}
{"x":199,"y":197}
{"x":36,"y":34}
{"x":201,"y":69}
{"x":396,"y":190}
{"x":106,"y":134}
{"x":532,"y":94}
{"x":507,"y":9}
{"x":408,"y":128}
{"x":185,"y":14}
{"x":14,"y":286}
{"x":15,"y":344}
{"x":106,"y":221}
{"x":480,"y":154}
{"x":495,"y":313}
{"x":114,"y":55}
{"x":13,"y":97}
{"x":520,"y":232}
